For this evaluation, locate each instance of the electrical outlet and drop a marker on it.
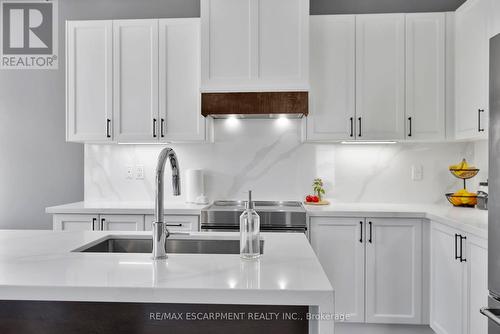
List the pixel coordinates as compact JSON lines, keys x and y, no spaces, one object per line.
{"x":139,"y":172}
{"x":417,"y":172}
{"x":129,"y":172}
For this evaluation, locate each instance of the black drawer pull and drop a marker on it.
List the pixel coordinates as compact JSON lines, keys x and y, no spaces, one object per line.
{"x":108,"y":128}
{"x":479,"y":128}
{"x":371,"y":232}
{"x":361,"y":233}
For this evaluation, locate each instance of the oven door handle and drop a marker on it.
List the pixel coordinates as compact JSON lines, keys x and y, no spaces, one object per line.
{"x":490,"y":315}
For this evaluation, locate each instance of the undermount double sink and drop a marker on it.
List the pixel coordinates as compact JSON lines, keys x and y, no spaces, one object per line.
{"x":174,"y":245}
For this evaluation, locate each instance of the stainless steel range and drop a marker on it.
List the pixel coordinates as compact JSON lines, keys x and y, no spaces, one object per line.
{"x":274,"y":216}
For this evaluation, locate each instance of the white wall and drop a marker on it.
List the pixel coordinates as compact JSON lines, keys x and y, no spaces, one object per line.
{"x":268,"y":157}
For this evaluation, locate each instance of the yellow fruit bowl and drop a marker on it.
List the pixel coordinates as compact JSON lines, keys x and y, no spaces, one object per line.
{"x":468,"y":201}
{"x":464,"y":173}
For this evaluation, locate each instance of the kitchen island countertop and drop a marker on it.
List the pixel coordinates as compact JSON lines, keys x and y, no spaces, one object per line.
{"x":41,"y":265}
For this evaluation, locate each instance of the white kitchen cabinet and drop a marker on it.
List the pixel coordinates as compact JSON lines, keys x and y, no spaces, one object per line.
{"x":375,"y":266}
{"x":179,"y":87}
{"x":380,"y":77}
{"x":89,"y":80}
{"x":339,"y":245}
{"x":471,"y":67}
{"x":425,"y":76}
{"x":176,"y":223}
{"x":494,"y":18}
{"x":447,"y":280}
{"x":121,"y":222}
{"x":332,"y":71}
{"x":134,"y":81}
{"x":477,"y":285}
{"x":75,"y":222}
{"x":254,"y":45}
{"x":394,"y":271}
{"x":459,"y":266}
{"x":135,"y":62}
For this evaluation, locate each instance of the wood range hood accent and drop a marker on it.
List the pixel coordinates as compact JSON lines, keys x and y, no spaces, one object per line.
{"x":255,"y":104}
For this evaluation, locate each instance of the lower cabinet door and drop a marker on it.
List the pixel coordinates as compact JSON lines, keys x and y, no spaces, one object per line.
{"x":394,"y":271}
{"x":121,"y":222}
{"x":339,"y":245}
{"x":75,"y":222}
{"x":176,"y":223}
{"x":477,"y":285}
{"x":447,"y":281}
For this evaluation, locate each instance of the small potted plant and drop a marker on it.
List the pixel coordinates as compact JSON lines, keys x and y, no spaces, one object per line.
{"x":318,"y":188}
{"x":319,"y":191}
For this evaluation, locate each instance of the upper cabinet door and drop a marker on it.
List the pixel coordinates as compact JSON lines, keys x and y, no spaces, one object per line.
{"x":254,"y":45}
{"x":89,"y":52}
{"x":394,"y":271}
{"x":471,"y":70}
{"x":425,"y":76}
{"x":380,"y":77}
{"x":226,"y":43}
{"x":179,"y":64}
{"x":283,"y":40}
{"x":332,"y":94}
{"x":136,"y":80}
{"x":494,"y":20}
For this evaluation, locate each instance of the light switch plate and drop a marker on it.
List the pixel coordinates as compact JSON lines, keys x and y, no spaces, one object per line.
{"x":139,"y":172}
{"x":417,"y":172}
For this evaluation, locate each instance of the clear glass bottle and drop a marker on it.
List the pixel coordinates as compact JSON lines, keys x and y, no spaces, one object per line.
{"x":249,"y":231}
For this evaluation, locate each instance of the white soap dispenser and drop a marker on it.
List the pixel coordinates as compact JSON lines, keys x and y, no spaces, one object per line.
{"x":249,"y":231}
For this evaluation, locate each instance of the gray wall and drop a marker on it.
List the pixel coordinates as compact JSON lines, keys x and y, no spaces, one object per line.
{"x":37,"y":167}
{"x":382,"y":6}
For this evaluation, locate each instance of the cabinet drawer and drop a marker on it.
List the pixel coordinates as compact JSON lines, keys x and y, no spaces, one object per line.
{"x":177,"y":223}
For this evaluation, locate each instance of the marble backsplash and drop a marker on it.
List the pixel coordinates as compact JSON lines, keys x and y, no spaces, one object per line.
{"x":267,"y":156}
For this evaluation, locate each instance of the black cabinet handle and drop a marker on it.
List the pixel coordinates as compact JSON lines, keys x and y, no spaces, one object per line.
{"x":359,"y":120}
{"x":410,"y":121}
{"x":371,"y":232}
{"x":154,"y":127}
{"x":162,"y":127}
{"x":479,"y":129}
{"x":102,"y":224}
{"x":456,"y":247}
{"x":352,"y":127}
{"x":462,"y":258}
{"x":108,"y":128}
{"x":361,"y":233}
{"x":173,"y":225}
{"x":94,"y":220}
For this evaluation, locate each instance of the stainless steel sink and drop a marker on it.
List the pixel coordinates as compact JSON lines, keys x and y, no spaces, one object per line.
{"x":116,"y":244}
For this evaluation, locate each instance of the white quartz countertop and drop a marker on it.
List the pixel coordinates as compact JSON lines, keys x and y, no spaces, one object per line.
{"x":40,"y":265}
{"x":469,"y":220}
{"x":130,"y":208}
